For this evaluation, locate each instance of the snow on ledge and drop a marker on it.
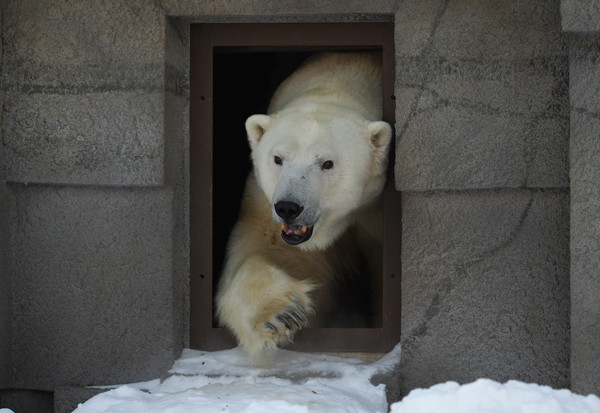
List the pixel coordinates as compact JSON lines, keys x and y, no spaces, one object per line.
{"x":224,"y":381}
{"x":292,"y":382}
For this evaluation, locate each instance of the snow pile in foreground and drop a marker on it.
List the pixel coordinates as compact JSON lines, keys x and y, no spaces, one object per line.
{"x":224,"y":381}
{"x":488,"y":396}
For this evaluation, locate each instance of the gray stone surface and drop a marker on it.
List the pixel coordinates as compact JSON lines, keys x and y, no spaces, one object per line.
{"x":84,"y":89}
{"x":176,"y":120}
{"x":5,"y":326}
{"x":83,"y":46}
{"x":5,"y":291}
{"x":585,"y":213}
{"x":485,"y":287}
{"x":276,"y":10}
{"x":92,"y":287}
{"x":580,"y":15}
{"x":482,"y":95}
{"x":105,"y":138}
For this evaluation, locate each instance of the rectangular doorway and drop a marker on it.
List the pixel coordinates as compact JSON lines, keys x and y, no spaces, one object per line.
{"x":234,"y":70}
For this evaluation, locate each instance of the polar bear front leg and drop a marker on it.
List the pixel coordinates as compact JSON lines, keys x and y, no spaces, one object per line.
{"x":262,"y":305}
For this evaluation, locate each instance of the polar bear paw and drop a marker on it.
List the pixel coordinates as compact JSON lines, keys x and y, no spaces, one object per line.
{"x":265,"y":307}
{"x":281,"y":318}
{"x":281,"y":328}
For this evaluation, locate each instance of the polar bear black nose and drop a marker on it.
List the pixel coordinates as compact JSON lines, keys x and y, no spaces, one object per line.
{"x":288,"y":210}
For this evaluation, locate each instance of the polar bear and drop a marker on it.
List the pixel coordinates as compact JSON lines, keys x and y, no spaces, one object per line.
{"x":319,"y":160}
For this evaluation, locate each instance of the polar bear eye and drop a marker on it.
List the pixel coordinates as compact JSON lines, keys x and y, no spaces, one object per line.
{"x":327,"y":165}
{"x":277,"y":160}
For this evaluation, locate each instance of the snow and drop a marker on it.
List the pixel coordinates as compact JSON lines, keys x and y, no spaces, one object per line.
{"x":224,"y":381}
{"x":488,"y":396}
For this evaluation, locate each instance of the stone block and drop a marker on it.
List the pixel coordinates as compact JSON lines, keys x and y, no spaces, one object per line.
{"x":5,"y":291}
{"x":580,"y":15}
{"x":585,"y":213}
{"x":485,"y":281}
{"x":108,"y":138}
{"x":58,"y":47}
{"x":84,"y":86}
{"x":479,"y":103}
{"x":472,"y":30}
{"x":5,"y":285}
{"x":585,"y":153}
{"x":177,"y":59}
{"x":92,"y":286}
{"x":459,"y":145}
{"x":584,"y":73}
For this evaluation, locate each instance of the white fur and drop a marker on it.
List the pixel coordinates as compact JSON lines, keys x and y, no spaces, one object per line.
{"x":328,"y":110}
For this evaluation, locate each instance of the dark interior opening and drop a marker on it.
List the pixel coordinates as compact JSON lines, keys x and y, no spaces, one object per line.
{"x":243,"y":83}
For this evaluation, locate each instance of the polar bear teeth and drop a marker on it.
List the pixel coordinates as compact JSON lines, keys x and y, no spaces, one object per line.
{"x":294,"y":229}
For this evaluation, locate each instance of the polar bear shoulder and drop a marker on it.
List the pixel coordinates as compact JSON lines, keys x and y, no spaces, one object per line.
{"x":351,"y":80}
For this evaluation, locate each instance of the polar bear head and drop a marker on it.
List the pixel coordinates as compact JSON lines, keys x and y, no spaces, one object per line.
{"x":318,"y":167}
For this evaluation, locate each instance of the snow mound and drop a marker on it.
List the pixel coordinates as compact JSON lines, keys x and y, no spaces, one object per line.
{"x":488,"y":396}
{"x":225,"y":381}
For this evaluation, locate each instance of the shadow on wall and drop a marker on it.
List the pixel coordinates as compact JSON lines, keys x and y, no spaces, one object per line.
{"x":27,"y":401}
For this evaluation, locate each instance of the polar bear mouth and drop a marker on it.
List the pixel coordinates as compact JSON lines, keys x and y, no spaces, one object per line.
{"x":295,"y":234}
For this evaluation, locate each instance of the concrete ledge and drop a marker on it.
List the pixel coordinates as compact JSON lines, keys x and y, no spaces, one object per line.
{"x":275,"y":10}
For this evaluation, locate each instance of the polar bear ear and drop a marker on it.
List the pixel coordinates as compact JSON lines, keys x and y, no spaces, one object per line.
{"x":381,"y":135}
{"x":256,"y":126}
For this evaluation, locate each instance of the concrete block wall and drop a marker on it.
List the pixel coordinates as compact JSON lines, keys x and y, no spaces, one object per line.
{"x":581,"y":20}
{"x":84,"y":89}
{"x":5,"y":293}
{"x":5,"y":288}
{"x":5,"y":285}
{"x":482,"y":160}
{"x":95,"y":149}
{"x":96,"y":210}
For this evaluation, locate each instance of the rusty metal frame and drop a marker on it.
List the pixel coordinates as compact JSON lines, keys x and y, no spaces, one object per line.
{"x":249,"y":37}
